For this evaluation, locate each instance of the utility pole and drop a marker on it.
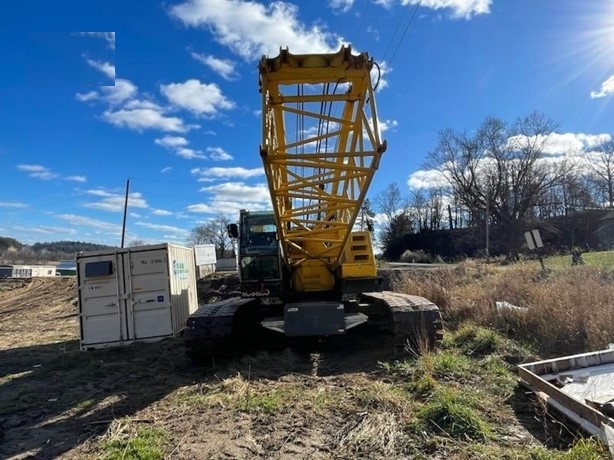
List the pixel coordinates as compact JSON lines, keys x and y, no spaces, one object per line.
{"x":487,"y":223}
{"x":125,"y":211}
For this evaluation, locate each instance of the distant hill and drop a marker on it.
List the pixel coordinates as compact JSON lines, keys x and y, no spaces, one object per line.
{"x":12,"y":251}
{"x":7,"y":243}
{"x":71,"y":247}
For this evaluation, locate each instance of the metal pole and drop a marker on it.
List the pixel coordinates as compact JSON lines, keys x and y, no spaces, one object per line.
{"x":125,"y":211}
{"x":487,"y":223}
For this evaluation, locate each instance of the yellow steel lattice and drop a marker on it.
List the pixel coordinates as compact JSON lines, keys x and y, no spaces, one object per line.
{"x":321,"y":146}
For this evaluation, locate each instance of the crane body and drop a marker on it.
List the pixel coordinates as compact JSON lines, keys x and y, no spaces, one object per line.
{"x":304,"y":270}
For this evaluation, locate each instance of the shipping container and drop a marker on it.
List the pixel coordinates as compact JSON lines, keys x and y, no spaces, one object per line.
{"x":21,"y":271}
{"x":6,"y":271}
{"x":135,"y":294}
{"x":43,"y":270}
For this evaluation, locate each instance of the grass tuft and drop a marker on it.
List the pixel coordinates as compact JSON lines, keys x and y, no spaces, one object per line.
{"x":125,"y":441}
{"x":452,"y":413}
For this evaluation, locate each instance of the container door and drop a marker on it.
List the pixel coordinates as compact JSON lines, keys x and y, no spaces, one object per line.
{"x":150,"y":315}
{"x":102,"y":311}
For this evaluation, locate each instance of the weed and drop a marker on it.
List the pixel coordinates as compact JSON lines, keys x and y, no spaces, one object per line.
{"x":451,"y":413}
{"x":125,"y":440}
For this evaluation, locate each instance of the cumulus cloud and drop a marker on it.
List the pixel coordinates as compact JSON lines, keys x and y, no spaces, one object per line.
{"x":161,"y":212}
{"x":427,"y":179}
{"x":77,"y":220}
{"x":223,"y":67}
{"x":172,"y":141}
{"x":252,"y":29}
{"x":139,"y":119}
{"x":459,"y":9}
{"x":199,"y":98}
{"x":189,"y":154}
{"x":126,"y":110}
{"x":232,"y":172}
{"x":607,"y":88}
{"x":177,"y":231}
{"x":341,"y":5}
{"x":76,"y":178}
{"x":38,"y":172}
{"x":230,"y":197}
{"x":114,"y":201}
{"x":105,"y":67}
{"x":218,"y":154}
{"x":109,"y":37}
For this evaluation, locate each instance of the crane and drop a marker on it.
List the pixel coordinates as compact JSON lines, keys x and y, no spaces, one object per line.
{"x":304,"y":270}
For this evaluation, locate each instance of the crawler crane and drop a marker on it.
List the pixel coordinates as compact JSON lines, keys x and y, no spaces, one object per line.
{"x":303,"y":269}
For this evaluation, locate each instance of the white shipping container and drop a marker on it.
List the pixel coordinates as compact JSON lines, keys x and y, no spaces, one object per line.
{"x":135,"y":294}
{"x":43,"y":270}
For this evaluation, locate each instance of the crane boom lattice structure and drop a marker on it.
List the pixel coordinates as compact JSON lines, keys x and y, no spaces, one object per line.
{"x":321,"y":147}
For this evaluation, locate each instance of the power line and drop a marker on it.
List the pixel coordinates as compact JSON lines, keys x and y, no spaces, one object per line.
{"x":405,"y":31}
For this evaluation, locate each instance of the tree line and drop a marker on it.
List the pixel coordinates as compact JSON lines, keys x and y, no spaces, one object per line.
{"x":498,"y":181}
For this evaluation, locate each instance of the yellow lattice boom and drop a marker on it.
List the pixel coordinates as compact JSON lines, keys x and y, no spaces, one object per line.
{"x":321,"y":147}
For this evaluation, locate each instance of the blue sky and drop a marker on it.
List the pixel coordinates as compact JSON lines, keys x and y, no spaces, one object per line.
{"x":166,"y":94}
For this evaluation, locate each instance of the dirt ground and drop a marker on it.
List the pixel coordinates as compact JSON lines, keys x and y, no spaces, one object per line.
{"x":59,"y":402}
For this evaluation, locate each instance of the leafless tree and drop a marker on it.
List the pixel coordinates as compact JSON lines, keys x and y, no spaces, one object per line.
{"x":501,"y":167}
{"x":602,"y":171}
{"x":213,"y":232}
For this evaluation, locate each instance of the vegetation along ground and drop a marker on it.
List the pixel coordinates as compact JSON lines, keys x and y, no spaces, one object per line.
{"x":352,"y":399}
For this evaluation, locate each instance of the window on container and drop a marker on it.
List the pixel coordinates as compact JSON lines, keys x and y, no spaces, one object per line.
{"x":95,"y":269}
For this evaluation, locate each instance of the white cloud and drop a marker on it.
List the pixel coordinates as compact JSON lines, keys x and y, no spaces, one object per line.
{"x":89,"y":222}
{"x":564,"y":143}
{"x":223,"y":67}
{"x":12,"y":204}
{"x":126,"y":111}
{"x":252,"y":29}
{"x":165,"y":228}
{"x":385,"y":125}
{"x":341,"y":5}
{"x":89,"y":96}
{"x":433,"y":178}
{"x":122,"y":90}
{"x":161,"y":212}
{"x":461,"y":9}
{"x":238,"y":191}
{"x":114,"y":202}
{"x":172,"y":141}
{"x":76,"y":178}
{"x":199,"y":98}
{"x":165,"y":170}
{"x":105,"y":67}
{"x":38,"y":172}
{"x":607,"y":88}
{"x":32,"y":168}
{"x":141,"y":119}
{"x":218,"y":154}
{"x":108,"y":36}
{"x":226,"y":207}
{"x":189,"y":154}
{"x":238,"y":171}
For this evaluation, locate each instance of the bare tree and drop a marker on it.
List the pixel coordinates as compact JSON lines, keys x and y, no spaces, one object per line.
{"x":602,"y":171}
{"x":136,"y":243}
{"x":502,"y":168}
{"x":213,"y":232}
{"x":389,"y":201}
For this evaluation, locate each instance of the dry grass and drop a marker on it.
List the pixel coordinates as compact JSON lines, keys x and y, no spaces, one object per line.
{"x":568,"y":310}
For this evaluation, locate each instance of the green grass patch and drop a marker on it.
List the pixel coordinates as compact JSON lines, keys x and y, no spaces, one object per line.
{"x":127,"y":441}
{"x":453,"y":413}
